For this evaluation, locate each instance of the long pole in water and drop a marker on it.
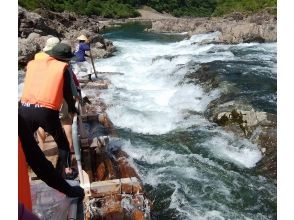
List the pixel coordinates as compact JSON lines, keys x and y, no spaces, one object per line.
{"x":91,"y":57}
{"x":72,"y":210}
{"x":76,"y":145}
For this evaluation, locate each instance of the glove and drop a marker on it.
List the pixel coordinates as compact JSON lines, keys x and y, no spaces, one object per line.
{"x":76,"y":191}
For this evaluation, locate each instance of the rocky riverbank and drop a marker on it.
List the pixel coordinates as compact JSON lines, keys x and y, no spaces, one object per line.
{"x":234,"y":28}
{"x":34,"y":28}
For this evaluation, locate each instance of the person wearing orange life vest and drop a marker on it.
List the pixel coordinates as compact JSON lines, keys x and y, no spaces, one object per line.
{"x":50,"y":43}
{"x":65,"y":117}
{"x":30,"y":153}
{"x":46,"y":84}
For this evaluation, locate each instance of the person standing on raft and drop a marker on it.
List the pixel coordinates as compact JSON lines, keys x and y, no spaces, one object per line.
{"x":80,"y":56}
{"x":47,"y":83}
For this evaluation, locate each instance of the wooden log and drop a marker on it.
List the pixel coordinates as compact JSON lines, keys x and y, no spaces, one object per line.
{"x":126,"y":186}
{"x":107,"y":187}
{"x":138,"y":215}
{"x":87,"y":163}
{"x":82,"y":131}
{"x":137,"y":186}
{"x":110,"y":169}
{"x":125,"y":169}
{"x":101,"y":172}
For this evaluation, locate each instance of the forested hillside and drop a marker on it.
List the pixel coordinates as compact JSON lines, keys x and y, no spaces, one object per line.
{"x":127,"y":8}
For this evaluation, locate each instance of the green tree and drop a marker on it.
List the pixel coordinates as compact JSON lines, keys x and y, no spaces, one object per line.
{"x":127,"y":8}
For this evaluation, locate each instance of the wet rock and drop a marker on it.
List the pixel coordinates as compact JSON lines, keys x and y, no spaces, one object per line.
{"x":260,"y":128}
{"x":247,"y":120}
{"x":268,"y":164}
{"x":204,"y":76}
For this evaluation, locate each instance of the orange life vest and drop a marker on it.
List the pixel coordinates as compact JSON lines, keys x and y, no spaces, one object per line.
{"x":43,"y":83}
{"x":24,"y":190}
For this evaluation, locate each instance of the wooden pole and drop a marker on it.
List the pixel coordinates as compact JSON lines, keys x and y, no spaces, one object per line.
{"x":91,"y":57}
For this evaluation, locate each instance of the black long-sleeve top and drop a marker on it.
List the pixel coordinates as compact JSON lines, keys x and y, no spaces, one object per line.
{"x":67,"y":92}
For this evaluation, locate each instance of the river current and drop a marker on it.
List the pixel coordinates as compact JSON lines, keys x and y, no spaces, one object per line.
{"x":190,"y":167}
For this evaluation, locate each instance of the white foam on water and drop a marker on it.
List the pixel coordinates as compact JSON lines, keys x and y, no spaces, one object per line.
{"x":180,"y":173}
{"x":149,"y":98}
{"x":186,"y":211}
{"x":239,"y":151}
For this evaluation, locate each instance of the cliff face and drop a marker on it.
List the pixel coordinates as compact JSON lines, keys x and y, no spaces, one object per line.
{"x":34,"y":28}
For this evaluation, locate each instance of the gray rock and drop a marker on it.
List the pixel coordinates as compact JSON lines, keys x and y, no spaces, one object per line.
{"x":34,"y":28}
{"x":260,"y":128}
{"x":235,"y":28}
{"x":33,"y":36}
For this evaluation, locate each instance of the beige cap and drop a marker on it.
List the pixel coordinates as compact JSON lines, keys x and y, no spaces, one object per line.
{"x":82,"y":37}
{"x":50,"y":43}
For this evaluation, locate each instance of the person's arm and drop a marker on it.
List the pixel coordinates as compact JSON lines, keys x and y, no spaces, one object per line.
{"x":72,"y":84}
{"x":40,"y":165}
{"x":67,"y":93}
{"x":75,"y":79}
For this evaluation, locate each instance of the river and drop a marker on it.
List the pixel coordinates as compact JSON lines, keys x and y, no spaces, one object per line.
{"x":190,"y":167}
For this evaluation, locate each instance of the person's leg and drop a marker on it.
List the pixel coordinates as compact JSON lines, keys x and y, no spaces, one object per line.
{"x":41,"y":135}
{"x":89,"y":69}
{"x":52,"y":125}
{"x":68,"y":132}
{"x":66,"y":122}
{"x":29,"y":115}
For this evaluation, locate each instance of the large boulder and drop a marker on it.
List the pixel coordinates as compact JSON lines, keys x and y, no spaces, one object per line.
{"x":260,"y":128}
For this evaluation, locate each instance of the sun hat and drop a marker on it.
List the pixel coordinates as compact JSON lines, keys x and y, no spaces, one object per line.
{"x":50,"y":43}
{"x":61,"y":51}
{"x":82,"y":37}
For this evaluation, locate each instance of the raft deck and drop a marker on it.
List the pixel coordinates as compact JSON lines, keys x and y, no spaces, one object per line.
{"x":114,"y":189}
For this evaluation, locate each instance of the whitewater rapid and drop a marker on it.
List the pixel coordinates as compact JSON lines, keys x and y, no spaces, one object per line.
{"x":192,"y":168}
{"x":150,"y":99}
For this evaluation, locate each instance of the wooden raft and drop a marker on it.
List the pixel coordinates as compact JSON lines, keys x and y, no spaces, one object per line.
{"x":115,"y":190}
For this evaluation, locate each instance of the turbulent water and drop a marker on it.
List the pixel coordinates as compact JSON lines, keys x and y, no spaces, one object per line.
{"x":191,"y":168}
